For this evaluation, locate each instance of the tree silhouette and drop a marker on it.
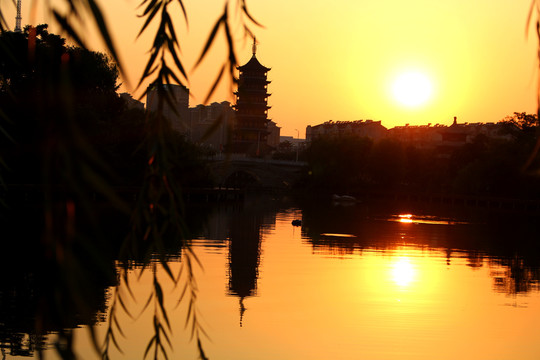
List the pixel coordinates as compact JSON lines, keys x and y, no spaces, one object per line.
{"x":45,"y":84}
{"x":159,"y":209}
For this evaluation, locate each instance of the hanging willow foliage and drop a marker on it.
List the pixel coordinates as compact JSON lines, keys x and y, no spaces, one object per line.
{"x":159,"y":211}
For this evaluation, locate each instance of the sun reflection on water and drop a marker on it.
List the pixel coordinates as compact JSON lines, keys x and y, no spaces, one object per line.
{"x":405,"y":218}
{"x":424,"y":219}
{"x":403,"y":272}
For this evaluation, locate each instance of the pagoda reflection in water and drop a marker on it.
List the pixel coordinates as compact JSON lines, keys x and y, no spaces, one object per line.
{"x":244,"y":256}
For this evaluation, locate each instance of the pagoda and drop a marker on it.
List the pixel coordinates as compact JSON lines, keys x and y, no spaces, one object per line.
{"x":250,"y":132}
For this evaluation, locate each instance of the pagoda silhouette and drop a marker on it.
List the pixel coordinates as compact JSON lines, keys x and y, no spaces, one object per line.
{"x":244,"y":255}
{"x":250,"y":131}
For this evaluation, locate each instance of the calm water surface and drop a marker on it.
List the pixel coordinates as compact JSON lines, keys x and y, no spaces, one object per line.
{"x":349,"y":283}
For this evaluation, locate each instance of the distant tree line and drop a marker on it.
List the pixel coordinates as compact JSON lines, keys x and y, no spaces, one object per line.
{"x":483,"y":167}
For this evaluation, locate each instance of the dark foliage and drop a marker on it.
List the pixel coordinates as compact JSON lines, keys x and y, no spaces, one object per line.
{"x":339,"y":164}
{"x":483,"y":167}
{"x":79,"y":157}
{"x":51,"y":95}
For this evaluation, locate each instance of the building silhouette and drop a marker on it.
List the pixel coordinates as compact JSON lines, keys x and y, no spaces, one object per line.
{"x":441,"y":138}
{"x":274,"y":137}
{"x":243,"y":128}
{"x":211,"y":125}
{"x":422,"y":136}
{"x":176,"y":111}
{"x":336,"y":129}
{"x":251,"y":132}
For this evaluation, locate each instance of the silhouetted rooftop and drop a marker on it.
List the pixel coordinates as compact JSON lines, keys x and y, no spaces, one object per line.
{"x":253,"y":65}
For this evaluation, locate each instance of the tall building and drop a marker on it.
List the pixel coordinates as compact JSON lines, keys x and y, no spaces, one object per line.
{"x":250,"y":133}
{"x":274,"y":133}
{"x":211,"y":124}
{"x":178,"y":113}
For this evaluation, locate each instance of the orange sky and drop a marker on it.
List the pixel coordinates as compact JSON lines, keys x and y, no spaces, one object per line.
{"x":337,"y":60}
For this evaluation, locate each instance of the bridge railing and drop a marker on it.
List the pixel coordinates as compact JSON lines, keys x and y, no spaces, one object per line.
{"x":243,"y":158}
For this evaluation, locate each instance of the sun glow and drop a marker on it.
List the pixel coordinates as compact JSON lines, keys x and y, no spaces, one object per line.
{"x":407,"y":218}
{"x":412,"y":89}
{"x":403,"y":272}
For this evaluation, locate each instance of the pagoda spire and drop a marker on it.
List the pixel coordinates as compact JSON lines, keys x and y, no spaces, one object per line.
{"x":254,"y":46}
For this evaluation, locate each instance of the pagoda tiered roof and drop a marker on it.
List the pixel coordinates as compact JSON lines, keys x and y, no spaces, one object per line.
{"x":253,"y":65}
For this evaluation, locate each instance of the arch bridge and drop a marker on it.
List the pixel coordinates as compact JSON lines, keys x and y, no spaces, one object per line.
{"x":242,"y":172}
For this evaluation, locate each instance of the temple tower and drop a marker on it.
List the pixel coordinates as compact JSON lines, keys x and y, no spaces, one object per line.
{"x":250,"y":133}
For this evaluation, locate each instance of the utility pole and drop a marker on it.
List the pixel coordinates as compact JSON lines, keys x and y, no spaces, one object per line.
{"x":18,"y":17}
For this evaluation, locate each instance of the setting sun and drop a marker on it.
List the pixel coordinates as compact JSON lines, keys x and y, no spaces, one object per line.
{"x":412,"y":89}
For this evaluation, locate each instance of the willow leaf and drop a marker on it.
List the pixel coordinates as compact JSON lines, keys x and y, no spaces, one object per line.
{"x":124,"y":307}
{"x":202,"y":355}
{"x":194,"y":328}
{"x":173,"y":76}
{"x":177,"y":279}
{"x":148,"y":20}
{"x":151,"y":5}
{"x":166,"y":337}
{"x":232,"y":56}
{"x":246,"y":12}
{"x":177,"y":61}
{"x":3,"y":23}
{"x":116,"y":345}
{"x":212,"y":36}
{"x":201,"y":330}
{"x":166,"y":20}
{"x":163,"y":351}
{"x":94,"y":339}
{"x":63,"y":22}
{"x":117,"y":323}
{"x":529,"y":17}
{"x":158,"y":290}
{"x":128,"y":286}
{"x":189,"y":314}
{"x":165,"y":316}
{"x":148,"y":69}
{"x":149,"y":346}
{"x":168,"y":270}
{"x":104,"y":31}
{"x":215,"y":84}
{"x":183,"y":11}
{"x":196,"y":258}
{"x":182,"y":294}
{"x":150,"y":297}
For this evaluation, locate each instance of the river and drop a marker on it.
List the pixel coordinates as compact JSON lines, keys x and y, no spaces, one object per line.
{"x":346,"y":281}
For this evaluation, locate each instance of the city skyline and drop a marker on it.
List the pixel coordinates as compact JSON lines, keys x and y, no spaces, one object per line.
{"x":341,"y":62}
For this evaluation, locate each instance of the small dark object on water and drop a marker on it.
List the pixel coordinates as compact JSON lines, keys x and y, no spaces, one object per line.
{"x":297,"y":222}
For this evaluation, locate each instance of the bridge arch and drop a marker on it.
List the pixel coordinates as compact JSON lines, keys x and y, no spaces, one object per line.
{"x":260,"y":173}
{"x":241,"y":179}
